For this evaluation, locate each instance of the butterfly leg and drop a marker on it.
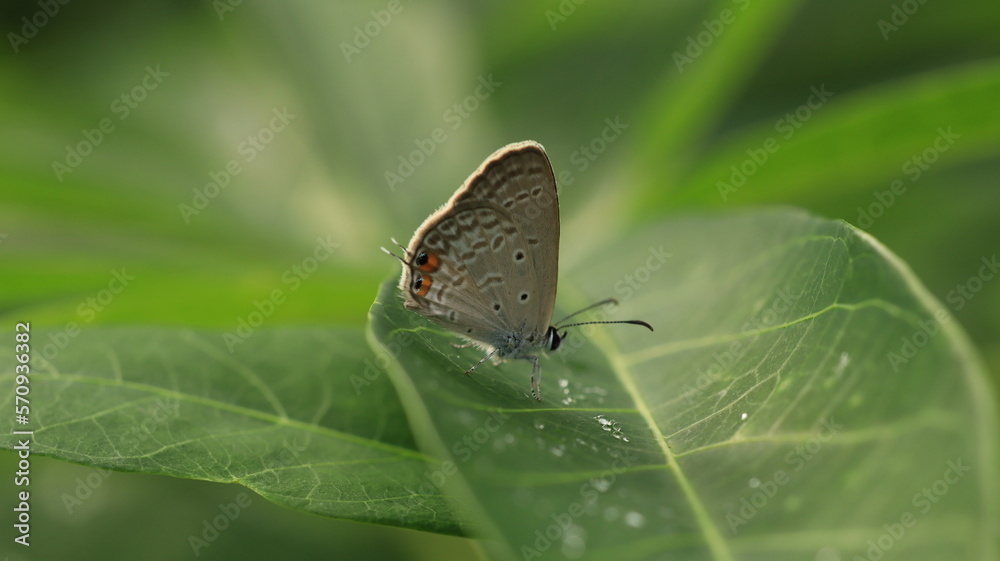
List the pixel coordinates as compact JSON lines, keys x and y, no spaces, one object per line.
{"x":493,"y":352}
{"x":536,"y":378}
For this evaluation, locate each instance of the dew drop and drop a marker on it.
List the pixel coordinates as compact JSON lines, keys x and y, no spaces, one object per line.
{"x":564,"y":383}
{"x":845,"y":359}
{"x":558,"y":451}
{"x":634,"y":519}
{"x":609,"y":425}
{"x":574,"y":542}
{"x":754,"y":483}
{"x":744,"y":416}
{"x":539,"y":425}
{"x":601,"y":485}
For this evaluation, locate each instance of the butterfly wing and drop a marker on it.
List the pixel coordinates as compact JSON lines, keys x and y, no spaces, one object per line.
{"x":485,"y":265}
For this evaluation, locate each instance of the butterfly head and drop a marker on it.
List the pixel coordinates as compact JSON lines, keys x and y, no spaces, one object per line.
{"x":553,"y":338}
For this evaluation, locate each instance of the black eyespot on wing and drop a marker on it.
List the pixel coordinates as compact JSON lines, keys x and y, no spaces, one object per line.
{"x":427,"y":262}
{"x":524,"y":296}
{"x":421,"y":285}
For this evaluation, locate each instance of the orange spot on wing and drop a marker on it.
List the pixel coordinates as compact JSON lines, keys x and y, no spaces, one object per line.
{"x":422,"y":285}
{"x":429,"y":262}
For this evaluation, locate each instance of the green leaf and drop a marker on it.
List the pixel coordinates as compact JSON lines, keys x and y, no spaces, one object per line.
{"x":802,"y":397}
{"x":304,"y":417}
{"x":943,"y":119}
{"x":679,"y":108}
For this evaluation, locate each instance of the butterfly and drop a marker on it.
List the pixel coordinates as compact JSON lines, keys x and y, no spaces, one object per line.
{"x":485,"y":265}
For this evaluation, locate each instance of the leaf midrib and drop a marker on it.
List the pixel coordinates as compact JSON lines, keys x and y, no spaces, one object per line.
{"x":718,"y":546}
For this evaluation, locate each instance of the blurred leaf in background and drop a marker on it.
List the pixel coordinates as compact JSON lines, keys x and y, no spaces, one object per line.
{"x":173,"y":164}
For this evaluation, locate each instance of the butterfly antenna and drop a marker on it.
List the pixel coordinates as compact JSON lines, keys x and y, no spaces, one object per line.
{"x":405,"y":252}
{"x":632,"y":321}
{"x":590,"y":307}
{"x":401,"y":260}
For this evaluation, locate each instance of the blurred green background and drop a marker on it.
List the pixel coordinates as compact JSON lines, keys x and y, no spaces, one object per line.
{"x":122,"y":122}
